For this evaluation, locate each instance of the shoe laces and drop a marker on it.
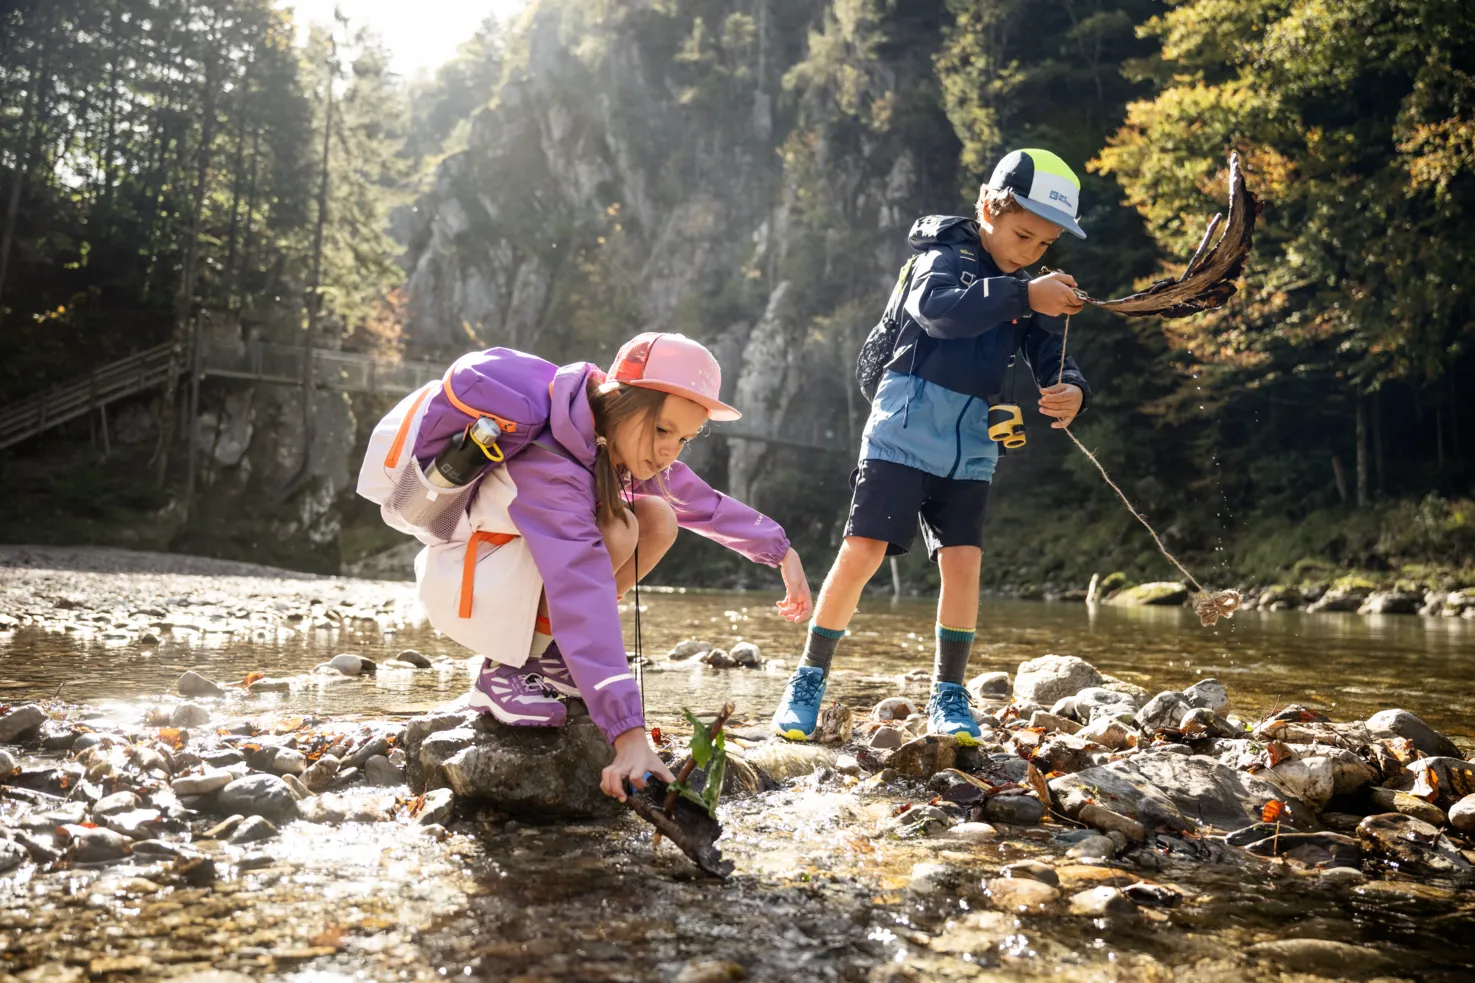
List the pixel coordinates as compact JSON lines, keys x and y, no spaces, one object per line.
{"x":952,"y":700}
{"x":535,"y":680}
{"x":807,"y":687}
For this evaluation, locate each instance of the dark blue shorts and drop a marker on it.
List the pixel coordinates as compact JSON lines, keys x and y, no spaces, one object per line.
{"x":889,"y":498}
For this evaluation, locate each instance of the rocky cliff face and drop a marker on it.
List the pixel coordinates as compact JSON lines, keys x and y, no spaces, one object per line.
{"x":625,"y":178}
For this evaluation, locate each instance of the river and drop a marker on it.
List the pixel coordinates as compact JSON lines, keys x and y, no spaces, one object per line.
{"x":817,"y":895}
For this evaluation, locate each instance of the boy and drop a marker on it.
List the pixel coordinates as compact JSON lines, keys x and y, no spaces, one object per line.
{"x":926,"y":451}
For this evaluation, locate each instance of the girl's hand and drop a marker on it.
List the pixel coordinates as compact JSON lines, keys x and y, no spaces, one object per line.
{"x":1062,"y":402}
{"x":797,"y":604}
{"x":634,"y":758}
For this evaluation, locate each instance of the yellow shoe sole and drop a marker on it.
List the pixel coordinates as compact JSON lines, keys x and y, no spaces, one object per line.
{"x":792,"y":735}
{"x":965,"y":739}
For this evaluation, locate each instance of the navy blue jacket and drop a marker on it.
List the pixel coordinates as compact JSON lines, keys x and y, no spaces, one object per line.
{"x":962,"y":321}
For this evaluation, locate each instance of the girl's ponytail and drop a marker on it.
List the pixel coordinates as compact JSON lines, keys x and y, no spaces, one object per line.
{"x":606,"y":484}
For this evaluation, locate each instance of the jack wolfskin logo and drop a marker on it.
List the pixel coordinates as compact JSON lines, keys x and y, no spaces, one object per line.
{"x":1064,"y":200}
{"x":967,"y":279}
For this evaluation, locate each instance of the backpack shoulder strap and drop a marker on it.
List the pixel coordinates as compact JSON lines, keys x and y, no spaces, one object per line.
{"x":899,"y":292}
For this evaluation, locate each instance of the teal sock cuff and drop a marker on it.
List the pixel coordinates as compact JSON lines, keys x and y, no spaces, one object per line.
{"x":826,"y":632}
{"x":954,"y":634}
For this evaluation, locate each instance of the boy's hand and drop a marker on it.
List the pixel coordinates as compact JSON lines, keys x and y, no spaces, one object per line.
{"x":634,"y":758}
{"x":1054,"y":294}
{"x":797,"y":604}
{"x":1062,"y":402}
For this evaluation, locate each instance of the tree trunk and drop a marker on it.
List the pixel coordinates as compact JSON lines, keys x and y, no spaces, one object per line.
{"x":185,"y":297}
{"x":1378,"y":439}
{"x":23,"y":154}
{"x":1340,"y":477}
{"x":1439,"y":436}
{"x":1362,"y":482}
{"x":236,"y":182}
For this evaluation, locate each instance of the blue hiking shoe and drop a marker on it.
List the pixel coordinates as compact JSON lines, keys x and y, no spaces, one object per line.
{"x":950,"y":711}
{"x":798,"y":712}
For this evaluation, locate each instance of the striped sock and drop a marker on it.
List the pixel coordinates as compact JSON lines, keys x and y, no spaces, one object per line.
{"x":953,"y":648}
{"x":819,"y":646}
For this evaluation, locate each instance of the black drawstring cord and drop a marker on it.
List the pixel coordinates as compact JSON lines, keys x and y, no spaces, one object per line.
{"x":639,"y":644}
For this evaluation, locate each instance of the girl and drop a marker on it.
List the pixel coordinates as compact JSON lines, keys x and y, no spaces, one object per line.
{"x":525,"y":562}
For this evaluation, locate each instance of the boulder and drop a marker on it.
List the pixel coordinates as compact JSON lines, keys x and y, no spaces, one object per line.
{"x":1462,"y":814}
{"x":1164,"y":711}
{"x":352,"y":665}
{"x":1401,"y":723}
{"x":534,"y":771}
{"x":1392,"y":602}
{"x":1443,"y":781}
{"x":1390,"y":800}
{"x":923,"y":757}
{"x":1180,"y":791}
{"x":1413,"y":846}
{"x":1279,"y":598}
{"x":1346,"y":594}
{"x":411,"y":657}
{"x":1350,"y":771}
{"x":1107,"y":821}
{"x":1109,"y":733}
{"x":417,"y":730}
{"x":1208,"y":693}
{"x":1165,"y":593}
{"x":1310,"y":779}
{"x":259,"y":795}
{"x":1017,"y":810}
{"x":21,"y":723}
{"x":745,"y":655}
{"x":1048,"y":678}
{"x":189,"y":715}
{"x":1097,"y":701}
{"x":989,"y":686}
{"x":194,"y":684}
{"x":689,"y":649}
{"x":887,"y":738}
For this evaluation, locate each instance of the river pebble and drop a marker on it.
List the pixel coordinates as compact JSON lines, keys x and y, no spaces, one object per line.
{"x":413,"y":658}
{"x":1401,"y":723}
{"x":1208,"y":694}
{"x":1092,"y":848}
{"x":194,"y":684}
{"x":12,"y":855}
{"x":1021,"y":894}
{"x":259,"y":795}
{"x":1389,"y":800}
{"x":94,"y":845}
{"x":21,"y":723}
{"x":115,"y":803}
{"x":1098,"y":902}
{"x":189,"y":715}
{"x":974,"y":832}
{"x":1017,"y":810}
{"x":210,"y":780}
{"x":374,"y":746}
{"x":287,"y":761}
{"x":1033,"y":870}
{"x":711,"y":971}
{"x":1462,"y":814}
{"x":8,"y":765}
{"x":378,"y":771}
{"x":252,"y":830}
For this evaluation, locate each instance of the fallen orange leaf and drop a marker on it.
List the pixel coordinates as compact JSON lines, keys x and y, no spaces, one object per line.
{"x":1272,"y":812}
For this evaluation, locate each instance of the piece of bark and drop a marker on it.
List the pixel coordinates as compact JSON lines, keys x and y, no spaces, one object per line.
{"x":688,"y":826}
{"x":1209,"y":279}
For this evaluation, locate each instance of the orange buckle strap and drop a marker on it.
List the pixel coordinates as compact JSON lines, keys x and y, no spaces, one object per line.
{"x":468,"y":566}
{"x":506,"y":426}
{"x":391,"y":460}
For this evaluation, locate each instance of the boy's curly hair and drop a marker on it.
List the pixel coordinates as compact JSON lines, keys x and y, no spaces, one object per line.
{"x":1000,"y":203}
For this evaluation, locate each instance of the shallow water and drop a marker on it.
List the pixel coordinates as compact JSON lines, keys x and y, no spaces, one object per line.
{"x":816,"y":896}
{"x":1348,"y":665}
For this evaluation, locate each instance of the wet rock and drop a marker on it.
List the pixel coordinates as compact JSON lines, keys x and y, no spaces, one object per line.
{"x":1094,"y":847}
{"x":1320,"y":956}
{"x":895,"y":708}
{"x":1401,"y":723}
{"x":1209,"y":694}
{"x":259,"y":795}
{"x":1202,"y":722}
{"x":223,"y":758}
{"x":989,"y":686}
{"x":1032,"y":870}
{"x":189,"y":715}
{"x":1342,"y":877}
{"x":1048,"y":678}
{"x":1279,"y":598}
{"x":272,"y":685}
{"x":253,"y":830}
{"x":745,"y":655}
{"x":847,"y":764}
{"x":299,"y":788}
{"x":887,"y":738}
{"x":1177,"y":790}
{"x":208,"y":781}
{"x":156,"y":849}
{"x":1017,"y":810}
{"x":1345,"y":595}
{"x":1108,"y":821}
{"x":437,"y":808}
{"x":194,"y":684}
{"x":1389,"y":800}
{"x":1310,"y":779}
{"x":90,"y":846}
{"x":1109,"y":733}
{"x":433,"y":752}
{"x":1021,"y":895}
{"x":1462,"y":815}
{"x":690,"y":649}
{"x":286,"y":761}
{"x":923,"y":757}
{"x":1350,"y":772}
{"x":1066,"y":754}
{"x":56,"y":735}
{"x":1392,"y":602}
{"x":413,"y":658}
{"x":21,"y":723}
{"x":711,"y":971}
{"x":1165,"y":593}
{"x":223,"y":828}
{"x":8,"y":765}
{"x":1098,"y":701}
{"x":1053,"y":723}
{"x":1102,"y":902}
{"x":1152,"y":895}
{"x":1414,"y":846}
{"x":719,"y":659}
{"x":136,"y":824}
{"x":1443,"y":781}
{"x":73,"y":813}
{"x":12,"y":855}
{"x":115,"y":803}
{"x":320,"y":776}
{"x":836,"y":725}
{"x":378,"y":771}
{"x":928,"y":878}
{"x":1164,"y":711}
{"x":973,"y":832}
{"x":919,"y":821}
{"x":533,"y":770}
{"x":40,"y":852}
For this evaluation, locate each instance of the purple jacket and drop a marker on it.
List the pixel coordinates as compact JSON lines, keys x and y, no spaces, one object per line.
{"x":550,"y":457}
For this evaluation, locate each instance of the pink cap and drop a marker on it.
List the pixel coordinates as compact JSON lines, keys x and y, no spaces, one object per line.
{"x":673,"y":363}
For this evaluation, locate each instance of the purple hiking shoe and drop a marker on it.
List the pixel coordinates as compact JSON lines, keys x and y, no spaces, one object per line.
{"x":517,"y":696}
{"x":554,"y":670}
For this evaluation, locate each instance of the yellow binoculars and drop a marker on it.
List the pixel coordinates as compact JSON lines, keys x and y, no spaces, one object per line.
{"x":1006,"y":425}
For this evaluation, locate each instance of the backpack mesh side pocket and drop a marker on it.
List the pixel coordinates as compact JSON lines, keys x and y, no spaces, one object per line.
{"x":425,"y":506}
{"x":877,"y":349}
